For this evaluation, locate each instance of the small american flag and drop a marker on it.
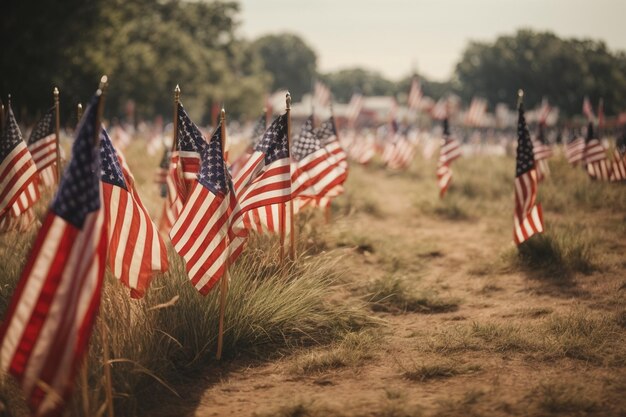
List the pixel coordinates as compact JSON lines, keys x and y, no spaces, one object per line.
{"x":204,"y":234}
{"x":399,"y":151}
{"x":542,"y":152}
{"x":46,"y":330}
{"x":321,"y":95}
{"x":450,"y":150}
{"x":320,"y":164}
{"x":594,"y":157}
{"x":354,"y":109}
{"x":265,"y":179}
{"x":440,"y":110}
{"x":415,"y":94}
{"x":588,"y":109}
{"x":527,"y":217}
{"x":42,"y":146}
{"x":18,"y":172}
{"x":575,"y":149}
{"x":618,"y":169}
{"x":476,"y":112}
{"x":135,"y":249}
{"x":543,"y":112}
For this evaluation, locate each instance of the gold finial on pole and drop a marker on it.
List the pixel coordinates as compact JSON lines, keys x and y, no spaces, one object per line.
{"x":79,"y":112}
{"x":292,"y":238}
{"x":520,"y":97}
{"x":175,"y":121}
{"x":104,"y":83}
{"x":57,"y":130}
{"x":226,"y":277}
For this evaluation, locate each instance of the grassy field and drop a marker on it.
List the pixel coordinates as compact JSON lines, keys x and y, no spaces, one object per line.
{"x":404,"y":305}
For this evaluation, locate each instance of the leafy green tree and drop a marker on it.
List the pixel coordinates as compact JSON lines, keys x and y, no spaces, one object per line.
{"x":345,"y":82}
{"x":291,"y":62}
{"x":542,"y":64}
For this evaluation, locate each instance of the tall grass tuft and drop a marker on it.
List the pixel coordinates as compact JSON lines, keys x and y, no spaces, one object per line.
{"x":159,"y":342}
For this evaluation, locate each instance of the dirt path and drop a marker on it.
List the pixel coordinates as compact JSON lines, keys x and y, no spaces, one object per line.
{"x":446,"y":259}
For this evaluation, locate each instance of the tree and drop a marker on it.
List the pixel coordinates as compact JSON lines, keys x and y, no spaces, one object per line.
{"x":291,"y":62}
{"x":543,"y":65}
{"x":344,"y":83}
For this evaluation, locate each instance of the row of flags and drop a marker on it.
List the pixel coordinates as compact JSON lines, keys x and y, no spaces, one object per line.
{"x":97,"y":218}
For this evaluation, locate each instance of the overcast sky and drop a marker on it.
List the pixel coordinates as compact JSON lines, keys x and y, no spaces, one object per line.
{"x":391,"y":36}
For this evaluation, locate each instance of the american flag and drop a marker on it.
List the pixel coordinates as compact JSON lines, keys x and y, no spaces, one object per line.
{"x":476,"y":112}
{"x":543,"y":112}
{"x":527,"y":217}
{"x":399,"y":151}
{"x":415,"y":94}
{"x":354,"y":109}
{"x":588,"y":109}
{"x":43,"y":147}
{"x":173,"y":203}
{"x":265,"y":179}
{"x":542,"y":152}
{"x":321,"y":95}
{"x":46,"y":330}
{"x":594,"y":157}
{"x":204,"y":234}
{"x":18,"y":173}
{"x":320,"y":164}
{"x":575,"y":149}
{"x":135,"y":249}
{"x":440,"y":110}
{"x":362,"y":148}
{"x":618,"y":169}
{"x":450,"y":150}
{"x":188,"y":151}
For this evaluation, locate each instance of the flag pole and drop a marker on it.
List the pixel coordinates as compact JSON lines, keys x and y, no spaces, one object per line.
{"x":57,"y":130}
{"x":226,"y":277}
{"x":108,"y":389}
{"x":79,"y":112}
{"x":292,"y":234}
{"x":327,"y":209}
{"x":175,"y":122}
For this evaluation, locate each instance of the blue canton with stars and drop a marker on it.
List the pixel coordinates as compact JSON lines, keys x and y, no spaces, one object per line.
{"x":274,"y":144}
{"x":307,"y":141}
{"x":11,"y":137}
{"x":79,"y":190}
{"x":45,"y":127}
{"x":213,"y":172}
{"x":189,"y":136}
{"x":111,"y":172}
{"x":525,"y":157}
{"x":327,"y":132}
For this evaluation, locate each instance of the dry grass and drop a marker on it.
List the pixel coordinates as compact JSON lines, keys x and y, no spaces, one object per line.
{"x":394,"y":294}
{"x":438,"y":369}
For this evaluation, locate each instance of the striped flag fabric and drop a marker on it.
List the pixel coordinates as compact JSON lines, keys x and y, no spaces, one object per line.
{"x":527,"y":217}
{"x":449,"y":151}
{"x":542,"y":152}
{"x":476,"y":112}
{"x":594,"y":157}
{"x":18,"y":173}
{"x":265,"y":179}
{"x":321,"y":95}
{"x":173,"y":203}
{"x":362,"y":149}
{"x":46,"y":330}
{"x":319,"y":161}
{"x":354,"y":109}
{"x":618,"y":168}
{"x":543,"y":112}
{"x":415,"y":94}
{"x":575,"y":149}
{"x":440,"y":109}
{"x":205,"y":234}
{"x":135,"y":249}
{"x":399,"y":151}
{"x":42,"y":146}
{"x":588,"y":109}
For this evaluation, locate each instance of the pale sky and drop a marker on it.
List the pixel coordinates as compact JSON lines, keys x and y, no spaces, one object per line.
{"x":394,"y":35}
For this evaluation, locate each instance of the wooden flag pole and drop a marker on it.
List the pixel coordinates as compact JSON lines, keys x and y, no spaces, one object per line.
{"x":292,"y":234}
{"x":327,"y":209}
{"x":57,"y":130}
{"x":226,"y":277}
{"x":108,"y":384}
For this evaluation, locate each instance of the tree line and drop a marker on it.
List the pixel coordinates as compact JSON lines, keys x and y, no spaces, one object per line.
{"x":148,"y":46}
